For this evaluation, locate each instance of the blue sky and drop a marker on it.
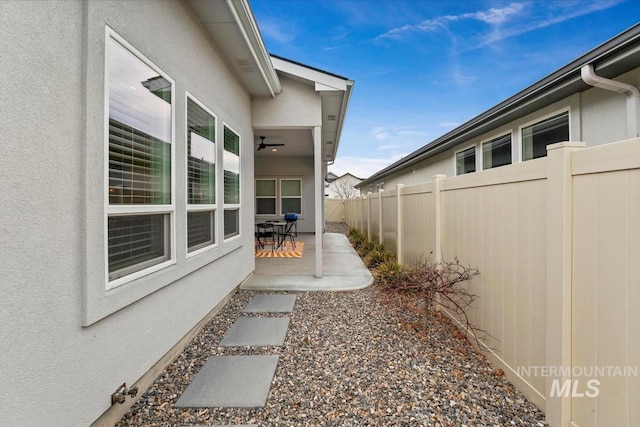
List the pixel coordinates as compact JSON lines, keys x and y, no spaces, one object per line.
{"x":421,"y":68}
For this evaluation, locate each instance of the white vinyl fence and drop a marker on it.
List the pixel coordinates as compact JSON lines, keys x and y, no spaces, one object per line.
{"x":557,"y":244}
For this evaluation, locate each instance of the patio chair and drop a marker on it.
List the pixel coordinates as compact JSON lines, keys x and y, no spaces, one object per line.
{"x":265,"y":234}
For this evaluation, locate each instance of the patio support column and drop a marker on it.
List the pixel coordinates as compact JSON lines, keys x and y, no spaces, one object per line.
{"x":319,"y":195}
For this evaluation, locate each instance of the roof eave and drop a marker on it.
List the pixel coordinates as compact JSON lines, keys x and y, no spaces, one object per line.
{"x":233,"y":28}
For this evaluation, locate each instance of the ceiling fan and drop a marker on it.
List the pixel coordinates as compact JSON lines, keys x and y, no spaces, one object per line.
{"x":262,"y":145}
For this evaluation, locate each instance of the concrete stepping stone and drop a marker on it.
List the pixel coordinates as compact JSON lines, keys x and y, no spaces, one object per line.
{"x":256,"y":332}
{"x":231,"y":382}
{"x":271,"y":303}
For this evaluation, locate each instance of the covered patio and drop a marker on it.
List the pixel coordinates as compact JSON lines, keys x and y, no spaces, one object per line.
{"x":296,"y":136}
{"x":342,"y":268}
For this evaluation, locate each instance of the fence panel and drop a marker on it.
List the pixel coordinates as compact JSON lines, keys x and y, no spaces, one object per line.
{"x":390,"y":220}
{"x":374,"y":199}
{"x":500,"y":228}
{"x":504,"y":221}
{"x":335,"y":210}
{"x":418,"y":222}
{"x":606,"y":284}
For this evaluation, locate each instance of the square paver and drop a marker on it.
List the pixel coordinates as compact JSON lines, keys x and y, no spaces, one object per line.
{"x":256,"y":332}
{"x":231,"y":382}
{"x":266,"y":303}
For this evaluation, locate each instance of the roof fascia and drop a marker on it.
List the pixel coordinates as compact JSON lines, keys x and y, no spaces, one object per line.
{"x":343,"y":114}
{"x":323,"y":81}
{"x":241,"y":11}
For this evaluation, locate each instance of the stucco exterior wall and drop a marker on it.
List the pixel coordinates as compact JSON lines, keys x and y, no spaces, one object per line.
{"x":604,"y":113}
{"x":63,"y":353}
{"x":298,"y":105}
{"x":292,"y":167}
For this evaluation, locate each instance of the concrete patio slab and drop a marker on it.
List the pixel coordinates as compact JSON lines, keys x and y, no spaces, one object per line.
{"x":231,"y":382}
{"x":343,"y":270}
{"x":269,"y":303}
{"x":256,"y":332}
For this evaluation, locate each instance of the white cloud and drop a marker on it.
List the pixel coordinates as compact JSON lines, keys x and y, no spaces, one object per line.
{"x":277,"y":31}
{"x":397,"y":133}
{"x":380,"y":133}
{"x":505,"y":22}
{"x":389,"y":147}
{"x":448,"y":124}
{"x":496,"y":16}
{"x":493,"y":16}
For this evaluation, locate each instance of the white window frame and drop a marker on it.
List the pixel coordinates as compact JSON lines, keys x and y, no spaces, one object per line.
{"x":493,"y":138}
{"x":537,"y":120}
{"x":204,"y":207}
{"x":275,"y":196}
{"x":279,"y":189}
{"x":455,"y":159}
{"x":278,"y":182}
{"x":121,"y":210}
{"x":234,"y":206}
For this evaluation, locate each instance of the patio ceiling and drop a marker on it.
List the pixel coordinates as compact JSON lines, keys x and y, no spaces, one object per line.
{"x":298,"y":142}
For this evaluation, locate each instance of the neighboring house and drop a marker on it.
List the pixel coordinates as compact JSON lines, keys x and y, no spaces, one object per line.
{"x":343,"y":187}
{"x":129,"y":165}
{"x":331,"y":177}
{"x":563,"y":106}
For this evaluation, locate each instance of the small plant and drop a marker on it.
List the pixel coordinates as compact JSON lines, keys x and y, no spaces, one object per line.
{"x":435,"y":283}
{"x":377,"y":257}
{"x":366,"y":247}
{"x":357,"y":238}
{"x":353,"y":232}
{"x":388,"y":271}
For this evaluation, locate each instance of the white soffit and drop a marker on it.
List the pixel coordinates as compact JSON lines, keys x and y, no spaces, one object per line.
{"x":233,"y":29}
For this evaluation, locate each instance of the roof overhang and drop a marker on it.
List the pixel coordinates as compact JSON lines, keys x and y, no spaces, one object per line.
{"x":233,"y":28}
{"x":611,"y":59}
{"x":335,"y":93}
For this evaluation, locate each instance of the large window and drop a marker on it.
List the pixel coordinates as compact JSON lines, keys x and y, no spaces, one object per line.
{"x":231,"y":163}
{"x":266,"y":197}
{"x":278,"y":196}
{"x":466,"y":161}
{"x":201,"y":173}
{"x":291,"y":196}
{"x":496,"y":152}
{"x":139,"y":140}
{"x":535,"y":138}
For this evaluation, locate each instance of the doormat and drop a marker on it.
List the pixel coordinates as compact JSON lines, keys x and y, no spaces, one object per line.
{"x":286,"y":251}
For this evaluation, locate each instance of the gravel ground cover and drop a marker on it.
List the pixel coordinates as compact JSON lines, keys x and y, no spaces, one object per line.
{"x":349,"y":359}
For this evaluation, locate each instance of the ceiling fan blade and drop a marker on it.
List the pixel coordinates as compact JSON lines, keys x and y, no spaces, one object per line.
{"x":273,"y":145}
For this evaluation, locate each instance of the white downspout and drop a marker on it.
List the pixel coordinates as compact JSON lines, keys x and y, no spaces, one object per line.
{"x":632,"y":93}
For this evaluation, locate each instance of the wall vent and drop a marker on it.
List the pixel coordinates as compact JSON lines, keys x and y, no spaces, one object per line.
{"x":244,"y":65}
